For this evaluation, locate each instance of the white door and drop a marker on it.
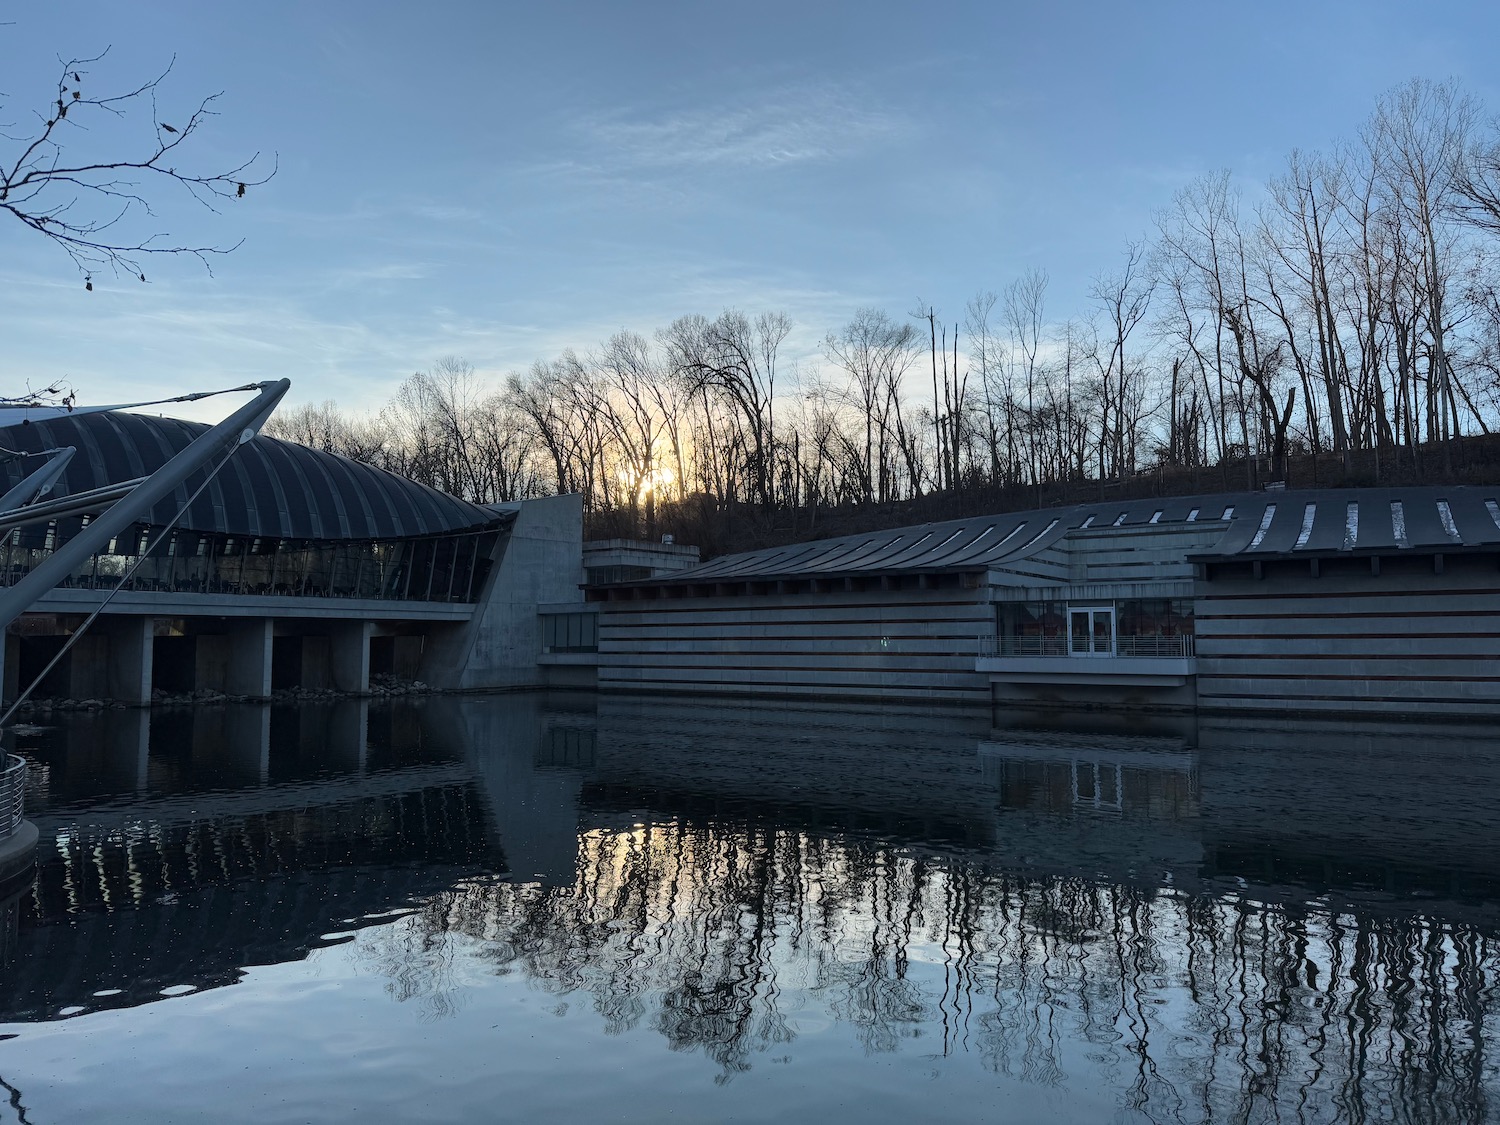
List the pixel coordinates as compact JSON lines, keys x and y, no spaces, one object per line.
{"x":1091,"y":631}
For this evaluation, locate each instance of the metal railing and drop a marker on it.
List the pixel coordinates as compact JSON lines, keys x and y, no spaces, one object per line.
{"x":12,"y":795}
{"x":1177,"y":646}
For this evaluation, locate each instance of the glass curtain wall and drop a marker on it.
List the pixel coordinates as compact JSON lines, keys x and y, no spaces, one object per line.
{"x":436,"y":568}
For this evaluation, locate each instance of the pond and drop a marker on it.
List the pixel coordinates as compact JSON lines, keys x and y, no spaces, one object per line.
{"x":604,"y":908}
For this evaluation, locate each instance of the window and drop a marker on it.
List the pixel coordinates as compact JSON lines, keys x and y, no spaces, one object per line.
{"x":603,"y":575}
{"x":1032,"y":628}
{"x":570,"y":632}
{"x":1155,"y":617}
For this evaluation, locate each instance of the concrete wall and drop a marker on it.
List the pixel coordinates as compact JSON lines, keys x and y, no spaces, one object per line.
{"x":539,"y":561}
{"x":1081,"y":693}
{"x":1407,"y":641}
{"x":891,"y":644}
{"x":658,"y":558}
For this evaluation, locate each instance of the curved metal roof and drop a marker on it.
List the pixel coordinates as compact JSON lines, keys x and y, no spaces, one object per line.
{"x":1259,"y":525}
{"x":269,"y":488}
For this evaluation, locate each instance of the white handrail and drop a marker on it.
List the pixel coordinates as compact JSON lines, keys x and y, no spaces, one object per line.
{"x":1126,"y":648}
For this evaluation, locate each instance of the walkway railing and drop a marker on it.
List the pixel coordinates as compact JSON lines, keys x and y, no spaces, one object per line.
{"x":1178,"y":646}
{"x":12,"y":795}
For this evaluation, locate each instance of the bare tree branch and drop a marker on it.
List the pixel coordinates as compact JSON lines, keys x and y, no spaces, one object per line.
{"x":81,"y":204}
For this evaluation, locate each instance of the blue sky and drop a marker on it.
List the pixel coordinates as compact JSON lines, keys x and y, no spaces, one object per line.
{"x":500,"y":181}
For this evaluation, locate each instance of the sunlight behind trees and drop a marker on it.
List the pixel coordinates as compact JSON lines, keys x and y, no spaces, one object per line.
{"x":1349,"y":310}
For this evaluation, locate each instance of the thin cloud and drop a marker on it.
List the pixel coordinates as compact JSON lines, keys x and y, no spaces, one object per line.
{"x":791,"y":126}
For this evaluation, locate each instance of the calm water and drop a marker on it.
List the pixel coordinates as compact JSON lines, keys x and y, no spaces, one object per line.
{"x":524,"y":909}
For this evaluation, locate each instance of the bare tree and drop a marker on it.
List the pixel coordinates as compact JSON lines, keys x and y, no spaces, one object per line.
{"x":323,"y":426}
{"x":1024,"y":314}
{"x":738,"y":357}
{"x":90,"y":202}
{"x":875,"y":352}
{"x":1123,"y":296}
{"x":1420,"y":135}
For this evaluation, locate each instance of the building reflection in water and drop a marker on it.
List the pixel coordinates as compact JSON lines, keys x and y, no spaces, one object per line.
{"x":1212,"y":923}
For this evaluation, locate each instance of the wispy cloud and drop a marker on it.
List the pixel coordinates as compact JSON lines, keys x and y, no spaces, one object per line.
{"x":792,"y":125}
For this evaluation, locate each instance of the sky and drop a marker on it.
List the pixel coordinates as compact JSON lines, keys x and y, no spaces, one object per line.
{"x":500,"y":181}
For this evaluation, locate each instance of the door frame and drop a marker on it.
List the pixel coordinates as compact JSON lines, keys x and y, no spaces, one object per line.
{"x":1094,"y":613}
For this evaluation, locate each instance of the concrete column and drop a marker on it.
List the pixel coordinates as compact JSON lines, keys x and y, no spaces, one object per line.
{"x":130,"y":649}
{"x":250,"y":658}
{"x":350,"y":655}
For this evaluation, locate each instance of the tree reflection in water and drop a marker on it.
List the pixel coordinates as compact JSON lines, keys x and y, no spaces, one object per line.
{"x":1194,"y":928}
{"x":1198,"y":1007}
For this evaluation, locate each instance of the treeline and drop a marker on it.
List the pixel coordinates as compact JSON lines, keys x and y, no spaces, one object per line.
{"x":1350,"y":313}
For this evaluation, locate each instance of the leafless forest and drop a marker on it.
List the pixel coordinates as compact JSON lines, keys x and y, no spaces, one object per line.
{"x":1340,"y":322}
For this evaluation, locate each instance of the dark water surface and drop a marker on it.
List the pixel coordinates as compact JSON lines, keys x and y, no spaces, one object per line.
{"x":522,"y":908}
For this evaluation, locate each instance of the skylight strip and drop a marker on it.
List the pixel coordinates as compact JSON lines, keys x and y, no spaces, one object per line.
{"x":1119,"y":519}
{"x":1265,"y":526}
{"x":994,"y":549}
{"x":1228,"y":513}
{"x":1309,"y":513}
{"x":948,"y":540}
{"x":1445,"y":514}
{"x":1090,"y":521}
{"x":1494,"y":510}
{"x":1155,"y":516}
{"x":1351,"y":525}
{"x":1398,"y":523}
{"x":1033,"y":541}
{"x":1192,"y":517}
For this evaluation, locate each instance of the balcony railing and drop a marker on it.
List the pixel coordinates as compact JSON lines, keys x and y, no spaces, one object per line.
{"x":1178,"y":646}
{"x":12,"y":795}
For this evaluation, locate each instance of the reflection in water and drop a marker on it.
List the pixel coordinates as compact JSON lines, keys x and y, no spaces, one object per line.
{"x":1220,"y":924}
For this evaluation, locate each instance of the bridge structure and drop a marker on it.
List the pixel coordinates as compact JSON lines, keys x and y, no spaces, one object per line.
{"x":290,"y":567}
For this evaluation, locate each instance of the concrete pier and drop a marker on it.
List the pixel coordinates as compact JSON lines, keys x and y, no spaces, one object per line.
{"x":349,"y":655}
{"x":130,"y":642}
{"x":250,"y":648}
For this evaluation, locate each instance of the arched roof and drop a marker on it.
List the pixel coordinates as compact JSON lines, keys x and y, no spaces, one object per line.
{"x":269,"y":488}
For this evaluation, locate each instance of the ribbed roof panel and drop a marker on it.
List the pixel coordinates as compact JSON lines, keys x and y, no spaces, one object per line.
{"x":270,"y":488}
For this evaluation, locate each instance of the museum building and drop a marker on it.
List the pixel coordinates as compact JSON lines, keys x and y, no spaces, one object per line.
{"x":291,"y":567}
{"x":1336,"y":600}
